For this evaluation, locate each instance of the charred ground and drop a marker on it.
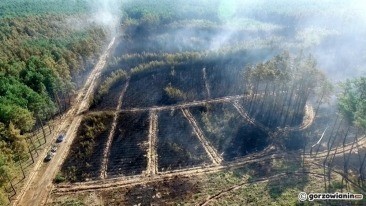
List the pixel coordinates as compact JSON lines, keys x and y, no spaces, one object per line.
{"x":186,"y":104}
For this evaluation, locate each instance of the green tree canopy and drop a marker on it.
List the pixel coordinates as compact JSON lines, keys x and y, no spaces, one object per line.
{"x":352,"y":101}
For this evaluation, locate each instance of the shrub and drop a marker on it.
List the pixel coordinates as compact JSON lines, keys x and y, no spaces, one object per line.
{"x":59,"y":178}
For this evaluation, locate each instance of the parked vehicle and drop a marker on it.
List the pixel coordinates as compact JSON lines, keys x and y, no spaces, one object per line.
{"x":54,"y":149}
{"x":60,"y":138}
{"x":48,"y":157}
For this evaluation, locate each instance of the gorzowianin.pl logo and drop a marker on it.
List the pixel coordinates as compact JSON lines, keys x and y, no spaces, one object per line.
{"x":303,"y":196}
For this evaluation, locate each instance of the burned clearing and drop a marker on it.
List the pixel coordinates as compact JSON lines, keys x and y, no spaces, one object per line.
{"x":180,"y":111}
{"x":128,"y":149}
{"x":237,"y":95}
{"x":205,"y":109}
{"x":229,"y":132}
{"x":152,"y":88}
{"x":183,"y":111}
{"x":178,"y":146}
{"x":84,"y":159}
{"x":110,"y":99}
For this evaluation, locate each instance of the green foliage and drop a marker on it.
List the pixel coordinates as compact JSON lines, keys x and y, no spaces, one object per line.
{"x":110,"y":82}
{"x":282,"y":70}
{"x":168,"y":10}
{"x":20,"y":97}
{"x":35,"y":69}
{"x":59,"y":178}
{"x":41,"y":54}
{"x":174,"y":94}
{"x":3,"y":199}
{"x":336,"y":186}
{"x":13,"y":144}
{"x":92,"y":128}
{"x":6,"y":168}
{"x":148,"y":66}
{"x":11,"y":149}
{"x":352,"y":101}
{"x":11,"y":8}
{"x":19,"y":116}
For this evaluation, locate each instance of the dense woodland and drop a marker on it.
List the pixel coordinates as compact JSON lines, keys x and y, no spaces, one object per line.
{"x":44,"y":57}
{"x":42,"y":61}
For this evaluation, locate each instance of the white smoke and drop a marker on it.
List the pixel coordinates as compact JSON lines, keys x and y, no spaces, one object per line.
{"x":106,"y":13}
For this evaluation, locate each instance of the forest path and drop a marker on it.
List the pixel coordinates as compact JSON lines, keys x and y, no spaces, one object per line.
{"x":246,"y":116}
{"x":107,"y":149}
{"x":211,"y":200}
{"x":210,"y":150}
{"x":267,"y":154}
{"x":39,"y":184}
{"x":312,"y":165}
{"x":227,"y":99}
{"x":141,"y":179}
{"x":152,"y":164}
{"x":146,"y":177}
{"x":337,"y":151}
{"x":308,"y":119}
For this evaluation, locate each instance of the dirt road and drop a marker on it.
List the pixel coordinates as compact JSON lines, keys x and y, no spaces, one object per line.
{"x":268,"y":153}
{"x":246,"y":116}
{"x":152,"y":163}
{"x":227,"y":99}
{"x":106,"y":152}
{"x":141,"y":179}
{"x":210,"y":150}
{"x":39,"y":184}
{"x":138,"y":179}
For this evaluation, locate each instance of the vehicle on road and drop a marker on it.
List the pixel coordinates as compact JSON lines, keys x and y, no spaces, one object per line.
{"x":49,"y":156}
{"x":60,"y":138}
{"x":54,"y":149}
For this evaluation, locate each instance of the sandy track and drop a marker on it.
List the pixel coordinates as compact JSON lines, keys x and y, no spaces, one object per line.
{"x":246,"y":116}
{"x":39,"y":183}
{"x":336,"y":151}
{"x":227,"y":191}
{"x":210,"y":150}
{"x":312,"y":163}
{"x":226,"y":99}
{"x":141,"y":179}
{"x":307,"y":120}
{"x":88,"y":89}
{"x":107,"y":149}
{"x":308,"y":117}
{"x":152,"y":164}
{"x":266,"y":154}
{"x":216,"y":159}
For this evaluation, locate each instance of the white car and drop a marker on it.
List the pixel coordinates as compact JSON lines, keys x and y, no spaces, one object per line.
{"x":54,"y":149}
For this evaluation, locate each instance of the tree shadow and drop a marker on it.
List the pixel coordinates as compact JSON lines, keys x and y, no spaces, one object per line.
{"x":248,"y":139}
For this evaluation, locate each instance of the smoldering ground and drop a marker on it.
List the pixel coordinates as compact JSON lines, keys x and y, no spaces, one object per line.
{"x":331,"y":30}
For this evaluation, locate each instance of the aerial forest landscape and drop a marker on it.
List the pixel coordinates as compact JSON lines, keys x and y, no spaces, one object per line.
{"x":184,"y":102}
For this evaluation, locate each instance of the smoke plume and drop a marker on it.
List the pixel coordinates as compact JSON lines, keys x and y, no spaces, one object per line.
{"x":106,"y":13}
